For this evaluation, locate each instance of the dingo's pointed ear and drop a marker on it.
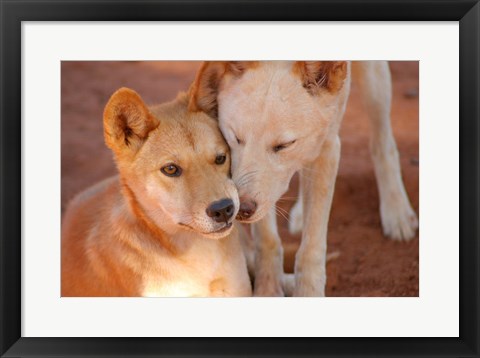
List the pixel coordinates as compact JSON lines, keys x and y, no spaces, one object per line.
{"x":204,"y":90}
{"x":316,"y":75}
{"x":127,"y":121}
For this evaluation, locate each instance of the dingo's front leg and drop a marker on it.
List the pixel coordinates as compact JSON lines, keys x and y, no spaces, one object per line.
{"x":318,"y":182}
{"x":268,"y":257}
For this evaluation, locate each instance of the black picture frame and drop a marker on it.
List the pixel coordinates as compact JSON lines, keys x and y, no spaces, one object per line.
{"x":13,"y":12}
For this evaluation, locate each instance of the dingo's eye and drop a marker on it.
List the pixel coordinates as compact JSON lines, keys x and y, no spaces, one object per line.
{"x":171,"y":170}
{"x":220,"y":159}
{"x":279,"y":147}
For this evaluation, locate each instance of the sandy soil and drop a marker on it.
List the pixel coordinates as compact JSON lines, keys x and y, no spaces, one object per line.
{"x":368,"y":263}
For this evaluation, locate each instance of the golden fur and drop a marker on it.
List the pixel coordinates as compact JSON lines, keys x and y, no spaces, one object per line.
{"x":143,"y":233}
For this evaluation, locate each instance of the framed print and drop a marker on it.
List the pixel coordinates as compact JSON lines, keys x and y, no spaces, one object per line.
{"x":86,"y":94}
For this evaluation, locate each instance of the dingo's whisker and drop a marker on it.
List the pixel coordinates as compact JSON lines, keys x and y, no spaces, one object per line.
{"x":245,"y":178}
{"x":282,"y":212}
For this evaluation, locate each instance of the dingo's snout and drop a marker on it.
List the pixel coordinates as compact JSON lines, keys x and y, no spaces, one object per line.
{"x":221,"y":211}
{"x":247,"y":209}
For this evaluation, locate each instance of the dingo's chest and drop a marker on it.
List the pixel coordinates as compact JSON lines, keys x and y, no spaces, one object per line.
{"x":206,"y":270}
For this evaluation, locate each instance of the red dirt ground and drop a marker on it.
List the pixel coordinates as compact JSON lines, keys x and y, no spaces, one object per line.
{"x":368,"y":264}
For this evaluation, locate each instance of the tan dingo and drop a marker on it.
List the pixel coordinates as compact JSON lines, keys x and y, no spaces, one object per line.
{"x":282,"y":117}
{"x":163,"y":226}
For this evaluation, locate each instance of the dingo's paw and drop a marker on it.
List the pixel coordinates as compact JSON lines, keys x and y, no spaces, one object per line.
{"x":268,"y":288}
{"x":309,"y":286}
{"x":399,"y":222}
{"x":288,"y":284}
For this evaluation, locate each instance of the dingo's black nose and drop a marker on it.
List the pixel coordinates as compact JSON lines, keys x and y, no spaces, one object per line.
{"x":221,"y":211}
{"x":247,"y":209}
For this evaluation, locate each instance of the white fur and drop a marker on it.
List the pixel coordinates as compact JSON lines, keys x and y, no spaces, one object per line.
{"x":268,"y":105}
